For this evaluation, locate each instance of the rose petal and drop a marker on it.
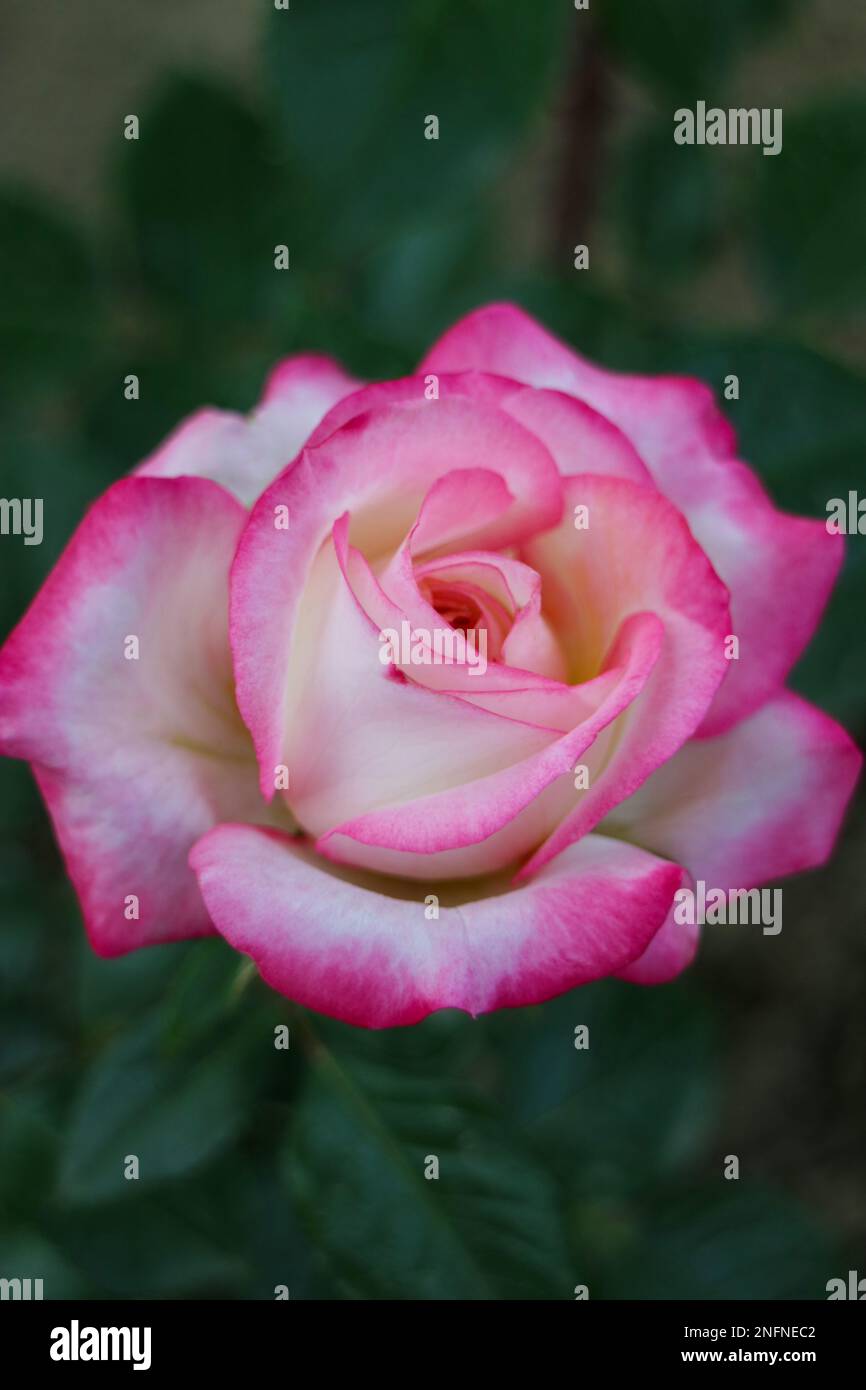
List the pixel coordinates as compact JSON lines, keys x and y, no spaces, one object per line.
{"x":762,"y":800}
{"x":379,"y":468}
{"x":376,"y":961}
{"x":357,"y":737}
{"x":485,"y":820}
{"x":636,"y":554}
{"x":758,"y":551}
{"x":245,"y":454}
{"x":136,"y":758}
{"x":537,"y":695}
{"x":663,"y":416}
{"x":670,"y":952}
{"x":578,"y":438}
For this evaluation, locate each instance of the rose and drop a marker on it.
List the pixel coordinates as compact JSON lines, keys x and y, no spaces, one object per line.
{"x":448,"y":836}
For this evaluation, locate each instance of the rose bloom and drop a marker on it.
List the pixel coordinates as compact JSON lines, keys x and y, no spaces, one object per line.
{"x":200,"y":690}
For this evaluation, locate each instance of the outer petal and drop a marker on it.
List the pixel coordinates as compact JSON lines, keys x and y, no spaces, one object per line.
{"x":244,"y":454}
{"x":671,"y":950}
{"x":759,"y":552}
{"x":779,"y":570}
{"x":663,"y":416}
{"x":136,"y":758}
{"x":763,"y":800}
{"x":374,"y":960}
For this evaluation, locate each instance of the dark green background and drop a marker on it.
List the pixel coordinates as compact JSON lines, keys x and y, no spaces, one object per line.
{"x":558,"y":1167}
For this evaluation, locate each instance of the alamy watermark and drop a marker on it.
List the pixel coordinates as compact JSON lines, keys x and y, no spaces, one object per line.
{"x":846,"y":517}
{"x":20,"y":1289}
{"x":739,"y":125}
{"x":22,"y":516}
{"x":738,"y":906}
{"x":77,"y":1343}
{"x":440,"y":646}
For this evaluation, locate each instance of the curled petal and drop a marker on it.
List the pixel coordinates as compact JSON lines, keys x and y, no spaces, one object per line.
{"x":636,"y":553}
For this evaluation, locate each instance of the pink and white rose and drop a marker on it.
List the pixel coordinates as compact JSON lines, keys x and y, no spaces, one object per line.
{"x":600,"y":533}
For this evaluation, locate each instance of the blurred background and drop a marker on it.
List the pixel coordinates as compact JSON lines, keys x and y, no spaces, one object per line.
{"x":305,"y":127}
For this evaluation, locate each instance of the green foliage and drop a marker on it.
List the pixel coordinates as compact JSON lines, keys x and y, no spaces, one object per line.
{"x":738,"y":1244}
{"x":683,"y":48}
{"x":48,"y":305}
{"x":668,"y":205}
{"x":487,"y":1226}
{"x":354,"y":85}
{"x":809,"y":209}
{"x":206,"y":203}
{"x":172,"y":1114}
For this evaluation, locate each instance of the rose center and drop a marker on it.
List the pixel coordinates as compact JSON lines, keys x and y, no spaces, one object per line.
{"x":460,"y":610}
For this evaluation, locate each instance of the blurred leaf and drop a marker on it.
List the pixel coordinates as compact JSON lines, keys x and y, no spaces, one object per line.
{"x":631,"y":1106}
{"x":409,"y":276}
{"x":355,"y":83}
{"x":736,"y":1243}
{"x":27,"y":1153}
{"x":207,"y":205}
{"x":809,"y":210}
{"x":28,"y":1042}
{"x":488,"y":1227}
{"x":148,"y":1248}
{"x":28,"y":1255}
{"x":682,"y":47}
{"x":242,"y":1197}
{"x":203,"y":991}
{"x":48,"y":305}
{"x":19,"y":953}
{"x":667,"y":201}
{"x":113,"y":990}
{"x":174,"y":383}
{"x":172,"y":1113}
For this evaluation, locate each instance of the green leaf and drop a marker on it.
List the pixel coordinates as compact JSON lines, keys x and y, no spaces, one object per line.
{"x":355,"y":83}
{"x":49,"y":306}
{"x":27,"y":1152}
{"x":172,"y":1113}
{"x":735,"y":1243}
{"x":411,"y":275}
{"x":114,"y":989}
{"x":28,"y":1042}
{"x":630,"y":1107}
{"x":681,"y":47}
{"x":149,"y":1248}
{"x":666,"y":200}
{"x":488,"y":1227}
{"x":808,"y":212}
{"x":243,"y":1199}
{"x":207,"y":204}
{"x":26,"y":1254}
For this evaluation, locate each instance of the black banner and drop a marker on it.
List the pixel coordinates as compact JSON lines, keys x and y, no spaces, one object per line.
{"x":159,"y":1337}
